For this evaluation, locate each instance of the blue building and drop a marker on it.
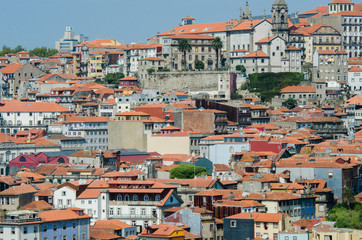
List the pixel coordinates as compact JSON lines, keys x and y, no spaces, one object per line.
{"x":69,"y":223}
{"x":238,"y":228}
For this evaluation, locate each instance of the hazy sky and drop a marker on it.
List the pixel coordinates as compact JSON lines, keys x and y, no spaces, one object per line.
{"x":42,"y":22}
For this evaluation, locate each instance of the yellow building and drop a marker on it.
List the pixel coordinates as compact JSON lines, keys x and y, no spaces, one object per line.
{"x":162,"y":231}
{"x":97,"y":63}
{"x":316,"y":37}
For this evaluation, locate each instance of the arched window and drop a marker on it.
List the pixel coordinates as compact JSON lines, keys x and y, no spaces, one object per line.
{"x":282,"y":19}
{"x":61,"y":160}
{"x":22,"y":159}
{"x":146,"y":198}
{"x":134,"y":197}
{"x":119,"y":197}
{"x":157,"y":198}
{"x":126,"y":197}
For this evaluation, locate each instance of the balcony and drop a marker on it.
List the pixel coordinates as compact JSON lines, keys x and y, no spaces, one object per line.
{"x":133,"y":203}
{"x":133,"y":216}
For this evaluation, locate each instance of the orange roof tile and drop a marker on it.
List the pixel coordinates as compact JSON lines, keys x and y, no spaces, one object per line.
{"x":257,"y":54}
{"x":259,"y":217}
{"x":18,"y":106}
{"x":61,"y":215}
{"x":298,"y":89}
{"x":11,"y":68}
{"x":37,"y":205}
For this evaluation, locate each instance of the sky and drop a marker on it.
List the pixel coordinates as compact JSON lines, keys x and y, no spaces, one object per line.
{"x":42,"y":22}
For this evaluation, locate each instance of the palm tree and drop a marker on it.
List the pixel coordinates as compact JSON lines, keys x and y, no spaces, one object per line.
{"x":184,"y":45}
{"x":217,"y":44}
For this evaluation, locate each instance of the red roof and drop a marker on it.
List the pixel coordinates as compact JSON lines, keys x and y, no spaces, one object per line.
{"x":259,"y":217}
{"x":11,"y":68}
{"x":355,"y":69}
{"x":298,"y":89}
{"x":18,"y":106}
{"x":266,"y":39}
{"x":128,"y":79}
{"x":257,"y":54}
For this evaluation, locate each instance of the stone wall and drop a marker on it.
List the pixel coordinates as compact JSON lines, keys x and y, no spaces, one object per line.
{"x":182,"y":81}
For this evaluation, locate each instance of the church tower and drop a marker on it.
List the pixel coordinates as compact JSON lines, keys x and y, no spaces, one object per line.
{"x":280,"y":19}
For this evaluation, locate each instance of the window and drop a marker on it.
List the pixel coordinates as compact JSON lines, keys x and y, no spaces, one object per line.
{"x":83,"y":236}
{"x":146,"y":198}
{"x":330,"y":175}
{"x":111,"y":211}
{"x":135,"y":197}
{"x":54,"y":227}
{"x":64,"y":237}
{"x":146,"y":224}
{"x":157,"y":198}
{"x":35,"y":229}
{"x":143,"y":211}
{"x":119,"y":211}
{"x":45,"y":228}
{"x":275,"y":225}
{"x":286,"y":238}
{"x":119,"y":197}
{"x":133,"y":211}
{"x":1,"y":230}
{"x":126,"y":197}
{"x":25,"y":230}
{"x":12,"y":230}
{"x":74,"y":224}
{"x":74,"y":237}
{"x":233,"y":223}
{"x":64,"y":225}
{"x":55,"y":238}
{"x":63,"y":193}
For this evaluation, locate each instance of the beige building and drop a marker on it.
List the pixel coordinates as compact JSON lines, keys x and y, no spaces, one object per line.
{"x":150,"y":64}
{"x":174,"y":143}
{"x":327,"y":231}
{"x":201,"y":51}
{"x":331,"y":65}
{"x":304,"y":95}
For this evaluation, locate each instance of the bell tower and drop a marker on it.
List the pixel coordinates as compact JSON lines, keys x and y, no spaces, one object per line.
{"x":280,"y":19}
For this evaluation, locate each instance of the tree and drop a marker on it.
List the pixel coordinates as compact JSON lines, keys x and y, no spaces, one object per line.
{"x":240,"y":68}
{"x":290,"y":103}
{"x":185,"y":171}
{"x":184,"y":45}
{"x":42,"y":52}
{"x":199,"y":65}
{"x":217,"y":45}
{"x":346,"y":217}
{"x":347,"y":197}
{"x":113,"y":78}
{"x":151,"y":70}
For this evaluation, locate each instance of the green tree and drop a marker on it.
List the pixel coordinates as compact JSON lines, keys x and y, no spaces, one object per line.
{"x":43,"y":52}
{"x":151,"y":70}
{"x":199,"y":65}
{"x":217,"y":45}
{"x":347,"y":197}
{"x":185,"y":171}
{"x":240,"y":68}
{"x":18,"y":49}
{"x":345,"y":216}
{"x":5,"y":50}
{"x":113,"y":78}
{"x":184,"y":45}
{"x":290,"y":103}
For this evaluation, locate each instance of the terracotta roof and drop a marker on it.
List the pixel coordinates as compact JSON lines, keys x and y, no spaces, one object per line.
{"x":259,"y":217}
{"x":161,"y":230}
{"x":257,"y":54}
{"x":18,"y":190}
{"x":298,"y":89}
{"x":112,"y":224}
{"x":18,"y":106}
{"x":355,"y":69}
{"x":242,"y":203}
{"x":61,"y":215}
{"x":37,"y":205}
{"x":128,"y":79}
{"x":11,"y":68}
{"x":89,"y":194}
{"x":221,"y":167}
{"x":266,"y":40}
{"x":102,"y":234}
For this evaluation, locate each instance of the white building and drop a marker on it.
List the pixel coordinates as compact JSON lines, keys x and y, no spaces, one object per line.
{"x":16,"y":115}
{"x":93,"y":201}
{"x":93,"y":129}
{"x":64,"y":197}
{"x":355,"y":79}
{"x":69,"y":40}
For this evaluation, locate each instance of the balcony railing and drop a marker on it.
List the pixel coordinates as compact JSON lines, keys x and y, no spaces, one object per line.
{"x":134,"y":203}
{"x":132,"y":216}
